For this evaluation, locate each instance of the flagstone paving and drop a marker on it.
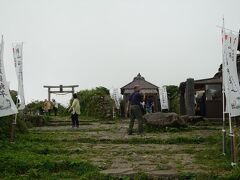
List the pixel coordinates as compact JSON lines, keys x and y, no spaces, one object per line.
{"x":158,"y":153}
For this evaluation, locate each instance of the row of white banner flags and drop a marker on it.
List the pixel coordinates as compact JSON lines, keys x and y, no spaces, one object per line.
{"x":231,"y":86}
{"x":7,"y":106}
{"x":162,"y":95}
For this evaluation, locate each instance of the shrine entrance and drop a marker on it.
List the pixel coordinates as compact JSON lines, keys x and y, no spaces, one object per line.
{"x":60,"y":90}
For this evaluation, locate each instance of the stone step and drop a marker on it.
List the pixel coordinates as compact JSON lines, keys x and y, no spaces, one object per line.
{"x":130,"y":172}
{"x":66,"y":123}
{"x":59,"y":124}
{"x":53,"y":121}
{"x":69,"y":120}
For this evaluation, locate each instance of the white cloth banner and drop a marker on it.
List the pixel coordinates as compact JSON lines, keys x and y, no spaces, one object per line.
{"x":230,"y":75}
{"x":163,"y":97}
{"x":224,"y":77}
{"x":17,"y":55}
{"x":7,"y":106}
{"x":116,"y":98}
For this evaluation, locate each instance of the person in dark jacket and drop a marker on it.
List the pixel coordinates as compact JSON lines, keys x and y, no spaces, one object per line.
{"x":149,"y":105}
{"x":135,"y":105}
{"x":203,"y":105}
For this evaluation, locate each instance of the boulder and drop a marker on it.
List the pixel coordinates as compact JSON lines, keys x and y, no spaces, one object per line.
{"x":162,"y":120}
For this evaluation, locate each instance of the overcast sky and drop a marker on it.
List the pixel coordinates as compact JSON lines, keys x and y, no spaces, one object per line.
{"x":107,"y":42}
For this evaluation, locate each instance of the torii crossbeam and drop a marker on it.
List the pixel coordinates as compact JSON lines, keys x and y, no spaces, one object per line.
{"x":60,"y":90}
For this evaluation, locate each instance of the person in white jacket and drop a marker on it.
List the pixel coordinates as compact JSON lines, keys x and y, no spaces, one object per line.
{"x":75,"y":111}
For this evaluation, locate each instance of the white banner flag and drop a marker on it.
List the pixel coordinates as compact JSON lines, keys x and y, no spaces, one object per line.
{"x":116,"y":98}
{"x":163,"y":97}
{"x":224,"y":77}
{"x":7,"y":107}
{"x":17,"y":55}
{"x":230,"y":75}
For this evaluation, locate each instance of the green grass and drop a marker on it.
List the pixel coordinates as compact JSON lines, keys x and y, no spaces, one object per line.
{"x":30,"y":165}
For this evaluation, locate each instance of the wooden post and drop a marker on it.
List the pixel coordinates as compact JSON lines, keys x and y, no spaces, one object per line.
{"x":72,"y":90}
{"x":49,"y":94}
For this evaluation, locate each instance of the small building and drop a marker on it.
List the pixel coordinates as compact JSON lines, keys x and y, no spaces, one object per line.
{"x":147,"y":89}
{"x":203,"y":97}
{"x":207,"y":98}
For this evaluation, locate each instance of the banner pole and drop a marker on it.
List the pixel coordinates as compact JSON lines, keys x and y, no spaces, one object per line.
{"x":224,"y":128}
{"x":235,"y":143}
{"x":12,"y":135}
{"x":113,"y":109}
{"x":230,"y":70}
{"x":231,"y":134}
{"x":223,"y":90}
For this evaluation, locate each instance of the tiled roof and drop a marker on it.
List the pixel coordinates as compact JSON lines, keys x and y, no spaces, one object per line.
{"x":138,"y":80}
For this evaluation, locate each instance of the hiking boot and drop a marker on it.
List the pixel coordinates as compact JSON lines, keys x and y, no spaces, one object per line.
{"x":130,"y":132}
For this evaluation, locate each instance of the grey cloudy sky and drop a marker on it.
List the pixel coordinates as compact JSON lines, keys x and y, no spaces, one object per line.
{"x":107,"y":42}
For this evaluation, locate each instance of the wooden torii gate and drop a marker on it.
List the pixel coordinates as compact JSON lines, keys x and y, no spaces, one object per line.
{"x":60,"y":90}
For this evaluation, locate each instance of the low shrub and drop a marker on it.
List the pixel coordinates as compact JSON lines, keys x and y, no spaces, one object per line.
{"x":23,"y":123}
{"x":96,"y":103}
{"x":6,"y":125}
{"x":62,"y":111}
{"x":172,"y":91}
{"x":35,"y":120}
{"x":35,"y":108}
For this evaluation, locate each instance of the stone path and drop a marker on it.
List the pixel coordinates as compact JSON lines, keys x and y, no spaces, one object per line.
{"x":110,"y":148}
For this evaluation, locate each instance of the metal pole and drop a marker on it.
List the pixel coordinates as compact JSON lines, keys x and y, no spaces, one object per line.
{"x":113,"y":109}
{"x":223,"y":94}
{"x":224,"y":128}
{"x":235,"y":141}
{"x":231,"y":134}
{"x":233,"y":160}
{"x":12,"y":134}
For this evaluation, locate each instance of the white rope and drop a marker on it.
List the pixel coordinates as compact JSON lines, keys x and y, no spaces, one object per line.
{"x":61,"y":93}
